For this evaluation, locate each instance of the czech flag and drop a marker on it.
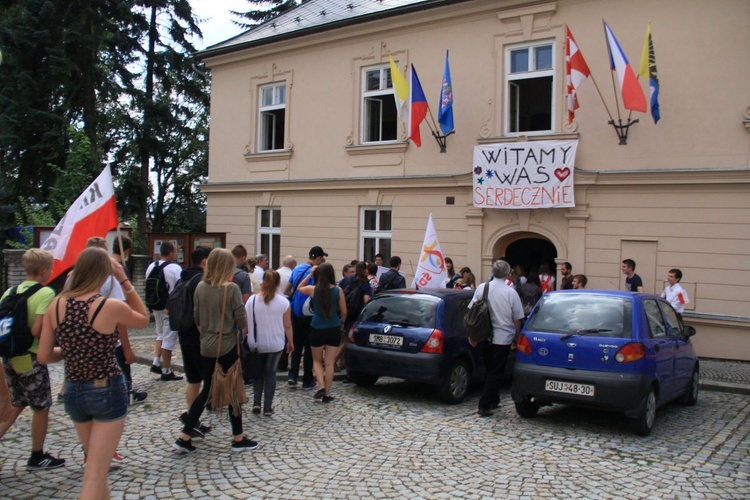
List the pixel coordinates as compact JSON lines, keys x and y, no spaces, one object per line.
{"x":633,"y":97}
{"x":417,"y":108}
{"x":94,"y":213}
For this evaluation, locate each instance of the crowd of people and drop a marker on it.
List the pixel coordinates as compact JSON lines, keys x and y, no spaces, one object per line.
{"x":294,"y":317}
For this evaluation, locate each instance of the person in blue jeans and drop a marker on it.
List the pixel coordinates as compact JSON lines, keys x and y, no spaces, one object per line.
{"x":300,"y":322}
{"x":269,"y":323}
{"x":84,"y":325}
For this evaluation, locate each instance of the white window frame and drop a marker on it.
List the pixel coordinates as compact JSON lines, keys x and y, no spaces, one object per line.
{"x":278,"y":102}
{"x":270,"y":232}
{"x":385,"y":89}
{"x":377,"y":233}
{"x":511,"y":79}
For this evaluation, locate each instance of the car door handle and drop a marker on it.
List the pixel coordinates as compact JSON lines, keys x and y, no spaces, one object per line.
{"x":657,"y":347}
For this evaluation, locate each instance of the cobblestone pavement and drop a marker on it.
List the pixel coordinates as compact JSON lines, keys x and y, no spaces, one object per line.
{"x":395,"y":440}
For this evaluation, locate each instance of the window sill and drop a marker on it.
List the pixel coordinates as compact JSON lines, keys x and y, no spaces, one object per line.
{"x":269,"y":155}
{"x":528,"y":136}
{"x":368,"y":149}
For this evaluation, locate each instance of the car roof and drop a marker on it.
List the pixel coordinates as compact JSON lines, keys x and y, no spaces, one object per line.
{"x":448,"y":295}
{"x":609,"y":293}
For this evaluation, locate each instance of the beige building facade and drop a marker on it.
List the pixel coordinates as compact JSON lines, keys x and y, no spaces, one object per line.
{"x":306,"y":148}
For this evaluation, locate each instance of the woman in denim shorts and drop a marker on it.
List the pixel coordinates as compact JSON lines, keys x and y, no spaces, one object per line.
{"x":84,"y":325}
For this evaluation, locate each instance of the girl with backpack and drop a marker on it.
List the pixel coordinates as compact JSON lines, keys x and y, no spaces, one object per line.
{"x":329,"y":308}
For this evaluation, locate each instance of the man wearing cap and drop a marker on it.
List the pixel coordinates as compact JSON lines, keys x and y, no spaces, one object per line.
{"x":300,"y":322}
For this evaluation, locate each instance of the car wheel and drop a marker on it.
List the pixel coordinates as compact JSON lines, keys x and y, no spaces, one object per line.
{"x":455,"y":386}
{"x":692,"y":395}
{"x":644,"y":422}
{"x":527,"y":408}
{"x":363,"y":379}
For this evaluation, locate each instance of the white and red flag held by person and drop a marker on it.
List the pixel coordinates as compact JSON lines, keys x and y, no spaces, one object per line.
{"x":431,"y":271}
{"x":94,"y":213}
{"x":576,"y":72}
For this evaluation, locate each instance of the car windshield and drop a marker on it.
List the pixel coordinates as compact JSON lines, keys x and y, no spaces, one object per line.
{"x":584,"y":314}
{"x":405,"y":310}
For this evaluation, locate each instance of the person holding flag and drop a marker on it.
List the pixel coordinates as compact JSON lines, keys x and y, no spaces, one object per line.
{"x":674,"y":293}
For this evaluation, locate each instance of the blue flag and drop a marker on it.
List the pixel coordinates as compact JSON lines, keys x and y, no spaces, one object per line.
{"x":445,"y":115}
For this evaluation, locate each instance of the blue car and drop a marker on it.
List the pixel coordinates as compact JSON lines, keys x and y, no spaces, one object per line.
{"x":618,"y":351}
{"x":416,"y":335}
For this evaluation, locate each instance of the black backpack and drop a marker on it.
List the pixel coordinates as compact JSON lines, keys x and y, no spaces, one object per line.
{"x":355,"y":300}
{"x":477,"y":320}
{"x":15,"y":331}
{"x":180,"y":305}
{"x":157,"y":290}
{"x":385,"y":283}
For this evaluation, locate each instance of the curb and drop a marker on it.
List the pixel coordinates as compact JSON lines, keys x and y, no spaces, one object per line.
{"x":717,"y":386}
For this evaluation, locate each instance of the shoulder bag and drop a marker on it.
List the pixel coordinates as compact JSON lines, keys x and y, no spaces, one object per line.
{"x":227,"y":387}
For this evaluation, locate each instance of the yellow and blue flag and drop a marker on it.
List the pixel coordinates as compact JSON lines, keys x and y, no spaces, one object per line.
{"x":647,"y":69}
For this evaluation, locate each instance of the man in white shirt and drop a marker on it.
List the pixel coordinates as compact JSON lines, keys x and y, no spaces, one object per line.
{"x":506,"y":313}
{"x":166,"y":339}
{"x":674,"y":293}
{"x":261,"y":267}
{"x":285,"y":271}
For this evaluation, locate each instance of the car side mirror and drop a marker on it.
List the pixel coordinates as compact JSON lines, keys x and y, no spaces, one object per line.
{"x":688,"y":331}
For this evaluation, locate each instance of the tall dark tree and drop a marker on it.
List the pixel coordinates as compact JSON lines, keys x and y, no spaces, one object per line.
{"x":262,"y":11}
{"x":121,"y":73}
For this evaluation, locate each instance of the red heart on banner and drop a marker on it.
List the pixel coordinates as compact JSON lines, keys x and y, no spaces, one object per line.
{"x":562,"y":173}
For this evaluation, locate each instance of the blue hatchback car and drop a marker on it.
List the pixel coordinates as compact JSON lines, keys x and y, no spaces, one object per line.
{"x":416,"y":335}
{"x":619,"y":351}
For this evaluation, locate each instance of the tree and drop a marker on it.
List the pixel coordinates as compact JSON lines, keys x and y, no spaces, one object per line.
{"x":262,"y":12}
{"x":120,"y":73}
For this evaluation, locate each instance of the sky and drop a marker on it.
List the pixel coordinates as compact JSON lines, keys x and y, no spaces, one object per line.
{"x":218,"y":26}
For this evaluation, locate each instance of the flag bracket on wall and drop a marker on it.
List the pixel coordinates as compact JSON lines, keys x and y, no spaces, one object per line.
{"x":622,"y":129}
{"x":442,"y":139}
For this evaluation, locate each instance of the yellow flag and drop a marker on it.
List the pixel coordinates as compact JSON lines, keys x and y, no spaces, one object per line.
{"x":643,"y":68}
{"x":401,"y":88}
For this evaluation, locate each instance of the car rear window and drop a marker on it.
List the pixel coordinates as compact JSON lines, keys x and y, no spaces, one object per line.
{"x":598,"y":315}
{"x":406,"y":310}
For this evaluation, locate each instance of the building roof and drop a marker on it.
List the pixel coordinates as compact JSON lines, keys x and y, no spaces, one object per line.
{"x":314,"y":16}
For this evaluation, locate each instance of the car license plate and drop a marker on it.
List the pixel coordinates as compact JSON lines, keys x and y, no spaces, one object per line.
{"x":386,"y":339}
{"x":569,"y":388}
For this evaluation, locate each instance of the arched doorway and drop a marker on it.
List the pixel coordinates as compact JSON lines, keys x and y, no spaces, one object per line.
{"x":529,"y":250}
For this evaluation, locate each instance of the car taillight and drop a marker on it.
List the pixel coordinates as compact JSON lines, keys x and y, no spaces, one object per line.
{"x":630,"y":352}
{"x":524,"y":345}
{"x":435,"y":343}
{"x":350,"y":336}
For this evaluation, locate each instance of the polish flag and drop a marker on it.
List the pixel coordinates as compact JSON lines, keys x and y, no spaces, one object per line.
{"x":576,"y":72}
{"x":94,"y":213}
{"x":633,"y":97}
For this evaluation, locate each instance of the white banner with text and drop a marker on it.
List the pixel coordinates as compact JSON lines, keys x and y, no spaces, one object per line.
{"x":518,"y":175}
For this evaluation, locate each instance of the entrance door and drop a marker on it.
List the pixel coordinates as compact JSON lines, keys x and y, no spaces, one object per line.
{"x":530,"y":253}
